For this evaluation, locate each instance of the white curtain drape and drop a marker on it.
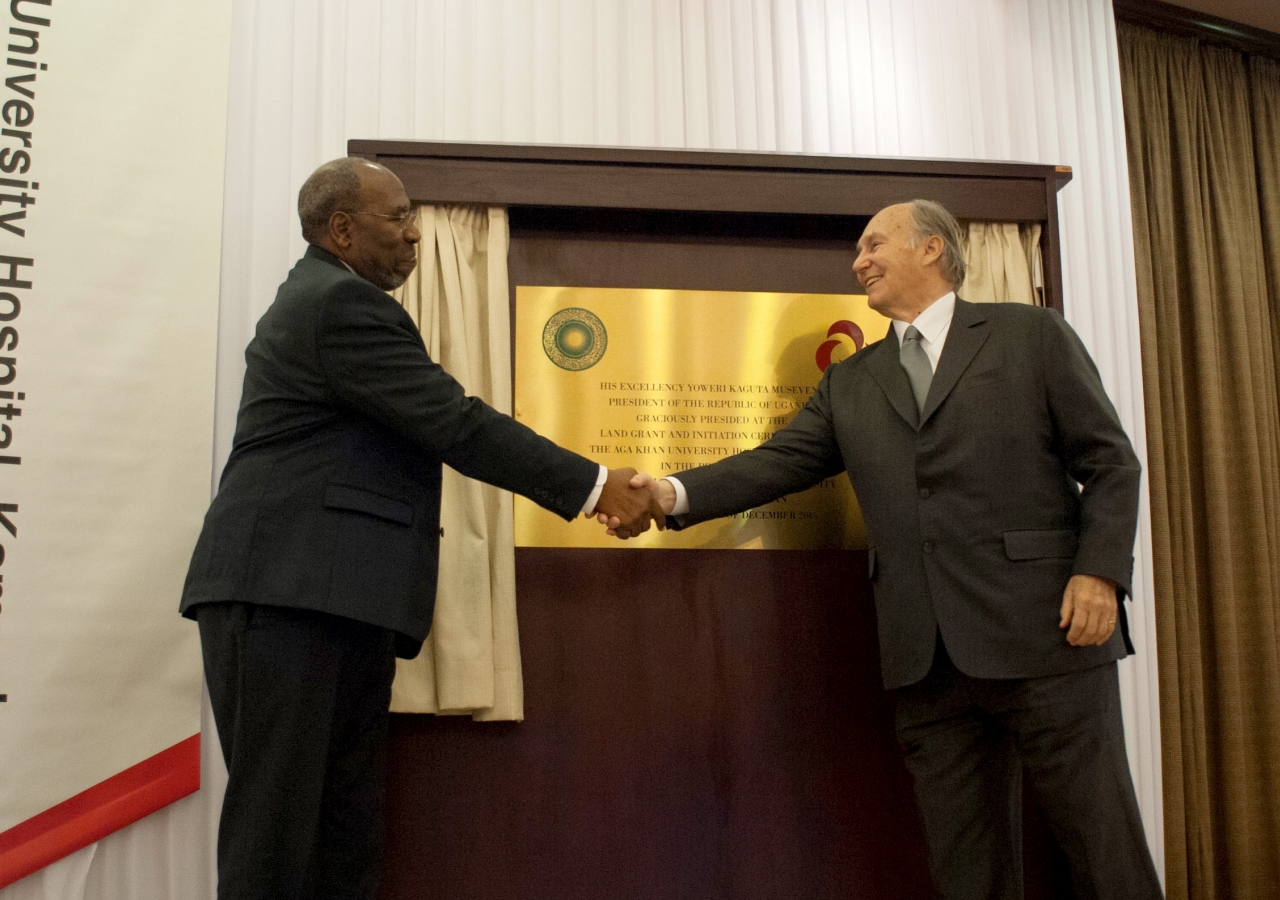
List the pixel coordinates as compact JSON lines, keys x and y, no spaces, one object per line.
{"x":1033,"y":80}
{"x":459,"y":299}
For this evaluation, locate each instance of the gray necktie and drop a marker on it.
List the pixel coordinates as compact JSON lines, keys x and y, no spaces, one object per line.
{"x":916,"y":362}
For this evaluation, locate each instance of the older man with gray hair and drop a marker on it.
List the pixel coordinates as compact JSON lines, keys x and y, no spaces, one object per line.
{"x":1000,"y":495}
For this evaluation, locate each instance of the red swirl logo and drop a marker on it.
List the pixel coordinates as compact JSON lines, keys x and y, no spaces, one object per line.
{"x":843,"y":327}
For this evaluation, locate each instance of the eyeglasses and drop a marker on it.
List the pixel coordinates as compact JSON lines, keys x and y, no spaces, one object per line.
{"x":402,"y":219}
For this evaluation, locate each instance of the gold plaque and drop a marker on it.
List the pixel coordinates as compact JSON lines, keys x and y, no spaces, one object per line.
{"x":667,"y":380}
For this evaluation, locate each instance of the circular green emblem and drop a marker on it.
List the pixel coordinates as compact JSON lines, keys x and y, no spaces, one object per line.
{"x":574,"y":339}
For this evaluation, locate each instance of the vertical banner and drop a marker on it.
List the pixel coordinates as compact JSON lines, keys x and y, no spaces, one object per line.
{"x":112,"y":136}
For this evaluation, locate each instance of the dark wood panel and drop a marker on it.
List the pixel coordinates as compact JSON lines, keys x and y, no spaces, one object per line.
{"x":629,"y":263}
{"x":694,"y":226}
{"x":703,"y":724}
{"x":1050,"y":240}
{"x":700,"y":724}
{"x":520,"y":183}
{"x":387,"y":151}
{"x":729,"y":182}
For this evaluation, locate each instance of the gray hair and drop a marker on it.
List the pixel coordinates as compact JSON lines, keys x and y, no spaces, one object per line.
{"x":333,"y":187}
{"x":929,"y":218}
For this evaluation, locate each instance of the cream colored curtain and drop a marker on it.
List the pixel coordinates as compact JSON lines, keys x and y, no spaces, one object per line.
{"x":458,"y":297}
{"x":1004,"y":263}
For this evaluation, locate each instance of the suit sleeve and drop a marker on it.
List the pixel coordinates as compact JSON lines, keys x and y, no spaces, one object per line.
{"x":374,"y":360}
{"x":1097,"y":454}
{"x":797,"y":457}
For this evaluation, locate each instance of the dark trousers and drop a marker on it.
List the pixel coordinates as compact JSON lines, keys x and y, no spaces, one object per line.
{"x":967,"y":741}
{"x":301,"y":701}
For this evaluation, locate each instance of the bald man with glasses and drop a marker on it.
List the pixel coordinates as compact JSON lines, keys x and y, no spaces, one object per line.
{"x":317,"y":563}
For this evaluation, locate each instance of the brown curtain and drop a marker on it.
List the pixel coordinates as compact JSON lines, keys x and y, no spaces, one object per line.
{"x":1203,"y":128}
{"x":1264,"y":85}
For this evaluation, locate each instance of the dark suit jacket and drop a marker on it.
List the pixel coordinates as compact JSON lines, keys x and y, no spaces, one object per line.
{"x":331,"y":497}
{"x":975,"y":518}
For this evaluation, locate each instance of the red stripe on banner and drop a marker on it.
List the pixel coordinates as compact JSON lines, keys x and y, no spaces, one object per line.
{"x":91,"y":815}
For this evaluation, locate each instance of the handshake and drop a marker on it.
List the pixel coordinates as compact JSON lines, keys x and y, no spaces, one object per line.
{"x":631,"y":500}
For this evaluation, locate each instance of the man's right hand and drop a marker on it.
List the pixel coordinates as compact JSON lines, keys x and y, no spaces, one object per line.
{"x":627,"y":508}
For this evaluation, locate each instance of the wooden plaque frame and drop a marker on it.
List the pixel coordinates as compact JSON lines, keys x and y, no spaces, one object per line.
{"x":713,"y":181}
{"x":711,"y":723}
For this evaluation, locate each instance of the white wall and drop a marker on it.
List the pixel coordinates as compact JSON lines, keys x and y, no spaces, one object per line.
{"x":1032,"y":80}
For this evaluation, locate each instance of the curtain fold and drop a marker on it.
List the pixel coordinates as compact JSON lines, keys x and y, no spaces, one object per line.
{"x":458,"y":297}
{"x":1004,"y":263}
{"x":1205,"y":228}
{"x":1264,"y":97}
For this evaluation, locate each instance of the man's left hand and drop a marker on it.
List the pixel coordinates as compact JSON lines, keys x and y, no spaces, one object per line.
{"x":1088,"y":610}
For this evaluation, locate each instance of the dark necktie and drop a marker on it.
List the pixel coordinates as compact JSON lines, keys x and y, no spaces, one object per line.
{"x":916,"y":362}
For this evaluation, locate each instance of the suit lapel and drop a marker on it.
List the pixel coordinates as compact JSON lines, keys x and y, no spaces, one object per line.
{"x":886,"y":369}
{"x":968,"y":332}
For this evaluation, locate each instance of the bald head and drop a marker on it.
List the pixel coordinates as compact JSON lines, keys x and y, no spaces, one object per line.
{"x":333,"y":187}
{"x":359,"y":212}
{"x":909,"y":256}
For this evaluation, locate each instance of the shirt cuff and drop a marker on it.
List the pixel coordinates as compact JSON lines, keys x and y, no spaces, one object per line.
{"x":682,"y":497}
{"x":594,"y":497}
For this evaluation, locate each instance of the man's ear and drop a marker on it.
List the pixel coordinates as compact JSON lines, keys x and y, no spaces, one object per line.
{"x":932,"y":248}
{"x":340,"y":229}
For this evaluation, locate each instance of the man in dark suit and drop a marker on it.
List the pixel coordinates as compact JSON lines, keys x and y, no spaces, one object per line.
{"x":1000,"y":495}
{"x":317,"y":563}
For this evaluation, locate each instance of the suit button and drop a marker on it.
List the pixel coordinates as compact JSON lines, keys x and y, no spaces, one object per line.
{"x":928,"y":546}
{"x":924,"y":493}
{"x":441,"y":532}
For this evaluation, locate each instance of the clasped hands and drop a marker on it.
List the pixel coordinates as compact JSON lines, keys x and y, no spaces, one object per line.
{"x":631,"y":501}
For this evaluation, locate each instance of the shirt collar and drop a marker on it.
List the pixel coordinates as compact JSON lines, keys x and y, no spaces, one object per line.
{"x":934,"y":322}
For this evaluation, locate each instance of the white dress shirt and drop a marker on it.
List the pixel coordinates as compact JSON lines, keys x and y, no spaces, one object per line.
{"x":590,"y":506}
{"x":933,"y":325}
